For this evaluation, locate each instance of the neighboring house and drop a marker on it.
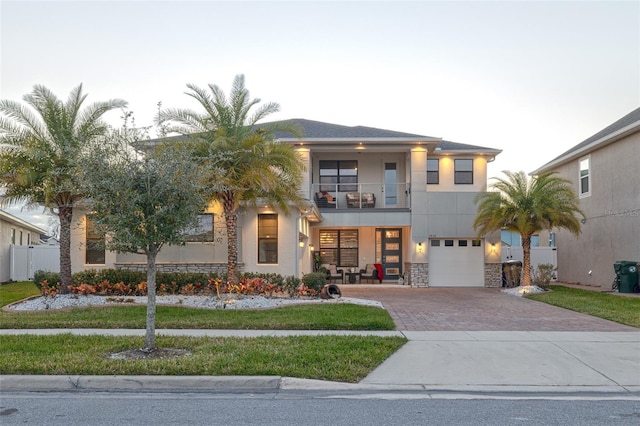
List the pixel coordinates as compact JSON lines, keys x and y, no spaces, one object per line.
{"x":375,"y":196}
{"x":14,"y":232}
{"x":604,"y":172}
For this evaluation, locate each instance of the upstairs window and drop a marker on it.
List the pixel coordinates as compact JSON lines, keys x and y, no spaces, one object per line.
{"x":433,"y":171}
{"x":338,"y":175}
{"x":585,"y":177}
{"x":268,"y":238}
{"x":463,"y":172}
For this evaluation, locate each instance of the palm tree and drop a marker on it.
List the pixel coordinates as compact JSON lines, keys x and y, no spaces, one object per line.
{"x":40,"y":144}
{"x":242,"y":162}
{"x":528,"y":207}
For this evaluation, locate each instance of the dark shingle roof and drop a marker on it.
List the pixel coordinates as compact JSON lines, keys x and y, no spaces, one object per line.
{"x":320,"y":130}
{"x":625,"y":121}
{"x":455,"y":146}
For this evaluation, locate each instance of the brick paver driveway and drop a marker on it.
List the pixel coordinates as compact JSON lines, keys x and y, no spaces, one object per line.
{"x":475,"y":309}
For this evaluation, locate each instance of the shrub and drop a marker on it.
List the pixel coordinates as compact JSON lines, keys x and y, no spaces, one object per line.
{"x":315,"y":280}
{"x":53,"y":278}
{"x":543,"y":275}
{"x":291,"y":285}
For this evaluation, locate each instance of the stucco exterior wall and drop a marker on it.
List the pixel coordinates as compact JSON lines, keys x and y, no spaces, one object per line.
{"x":612,"y":228}
{"x":28,"y":237}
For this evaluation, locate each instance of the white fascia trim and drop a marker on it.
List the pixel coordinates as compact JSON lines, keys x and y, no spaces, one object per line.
{"x":358,"y":140}
{"x":8,"y":217}
{"x":610,"y":138}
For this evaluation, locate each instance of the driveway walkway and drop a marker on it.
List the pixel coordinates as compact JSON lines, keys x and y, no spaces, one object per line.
{"x":474,"y":309}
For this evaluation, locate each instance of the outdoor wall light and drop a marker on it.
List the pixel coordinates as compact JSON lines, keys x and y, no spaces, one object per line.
{"x":301,"y":244}
{"x":420,"y":248}
{"x":310,"y":248}
{"x":493,"y":247}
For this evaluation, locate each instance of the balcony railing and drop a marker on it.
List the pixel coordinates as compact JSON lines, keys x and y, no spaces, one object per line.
{"x":361,"y":195}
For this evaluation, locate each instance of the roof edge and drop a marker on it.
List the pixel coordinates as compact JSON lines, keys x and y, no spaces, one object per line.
{"x":21,"y":222}
{"x":605,"y":140}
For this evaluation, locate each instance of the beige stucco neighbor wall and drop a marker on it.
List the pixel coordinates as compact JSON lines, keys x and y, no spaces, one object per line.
{"x":29,"y":237}
{"x":611,"y":230}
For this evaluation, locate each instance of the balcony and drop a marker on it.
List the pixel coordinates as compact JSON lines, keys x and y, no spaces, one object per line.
{"x":361,"y":196}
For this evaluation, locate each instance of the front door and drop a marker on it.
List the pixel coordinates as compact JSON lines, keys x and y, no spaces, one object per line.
{"x":389,"y":251}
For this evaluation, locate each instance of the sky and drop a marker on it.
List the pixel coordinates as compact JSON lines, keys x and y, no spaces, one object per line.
{"x":532,"y":78}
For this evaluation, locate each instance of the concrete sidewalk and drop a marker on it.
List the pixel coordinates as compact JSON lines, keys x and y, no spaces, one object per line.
{"x":468,"y":361}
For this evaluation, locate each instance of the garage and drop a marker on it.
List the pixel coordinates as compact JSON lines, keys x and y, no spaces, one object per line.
{"x":456,"y":262}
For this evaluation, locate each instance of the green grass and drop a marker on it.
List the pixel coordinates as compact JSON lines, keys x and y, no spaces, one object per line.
{"x":13,"y":292}
{"x":296,"y":317}
{"x":335,"y":358}
{"x":621,"y":309}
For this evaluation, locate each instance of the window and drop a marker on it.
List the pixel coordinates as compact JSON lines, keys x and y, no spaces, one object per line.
{"x":342,"y":175}
{"x":448,"y":243}
{"x":203,"y":232}
{"x":462,"y":243}
{"x":28,"y":238}
{"x":435,"y":243}
{"x":476,"y":243}
{"x":433,"y":171}
{"x":20,"y":237}
{"x":13,"y":236}
{"x":94,"y":249}
{"x":585,"y":177}
{"x":267,"y":238}
{"x":463,"y":172}
{"x":339,"y":247}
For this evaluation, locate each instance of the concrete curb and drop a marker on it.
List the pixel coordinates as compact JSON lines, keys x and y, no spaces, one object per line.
{"x":16,"y":383}
{"x":221,"y":384}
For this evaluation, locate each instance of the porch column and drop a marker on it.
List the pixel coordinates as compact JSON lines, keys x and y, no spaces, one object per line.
{"x":419,"y":228}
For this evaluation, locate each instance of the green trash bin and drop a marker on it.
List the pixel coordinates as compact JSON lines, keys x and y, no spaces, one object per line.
{"x":627,"y":276}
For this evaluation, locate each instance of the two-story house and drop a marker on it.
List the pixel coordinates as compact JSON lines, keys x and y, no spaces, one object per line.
{"x":400,"y":200}
{"x":604,"y":171}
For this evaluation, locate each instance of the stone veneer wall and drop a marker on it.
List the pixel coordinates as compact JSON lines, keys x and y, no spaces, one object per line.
{"x":493,"y":275}
{"x":204,"y":267}
{"x":416,"y":274}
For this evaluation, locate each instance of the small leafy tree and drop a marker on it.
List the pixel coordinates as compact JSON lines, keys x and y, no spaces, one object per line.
{"x":528,"y":206}
{"x":142,"y":202}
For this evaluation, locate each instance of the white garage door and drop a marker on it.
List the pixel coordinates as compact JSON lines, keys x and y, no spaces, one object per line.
{"x":456,"y":263}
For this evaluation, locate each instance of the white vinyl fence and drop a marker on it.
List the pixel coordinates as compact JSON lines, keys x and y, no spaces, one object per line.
{"x":538,"y":255}
{"x":26,"y":260}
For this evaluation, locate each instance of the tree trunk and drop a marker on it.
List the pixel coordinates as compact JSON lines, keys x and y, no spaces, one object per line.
{"x":65,"y":214}
{"x":231,"y":220}
{"x":526,"y":260}
{"x":150,"y":335}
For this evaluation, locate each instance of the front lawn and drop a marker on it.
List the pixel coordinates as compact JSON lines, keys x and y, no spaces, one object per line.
{"x":344,"y":316}
{"x":335,"y":358}
{"x":621,"y":309}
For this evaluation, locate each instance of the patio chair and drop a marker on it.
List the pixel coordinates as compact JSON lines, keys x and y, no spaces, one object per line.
{"x":333,"y":273}
{"x":369,"y":273}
